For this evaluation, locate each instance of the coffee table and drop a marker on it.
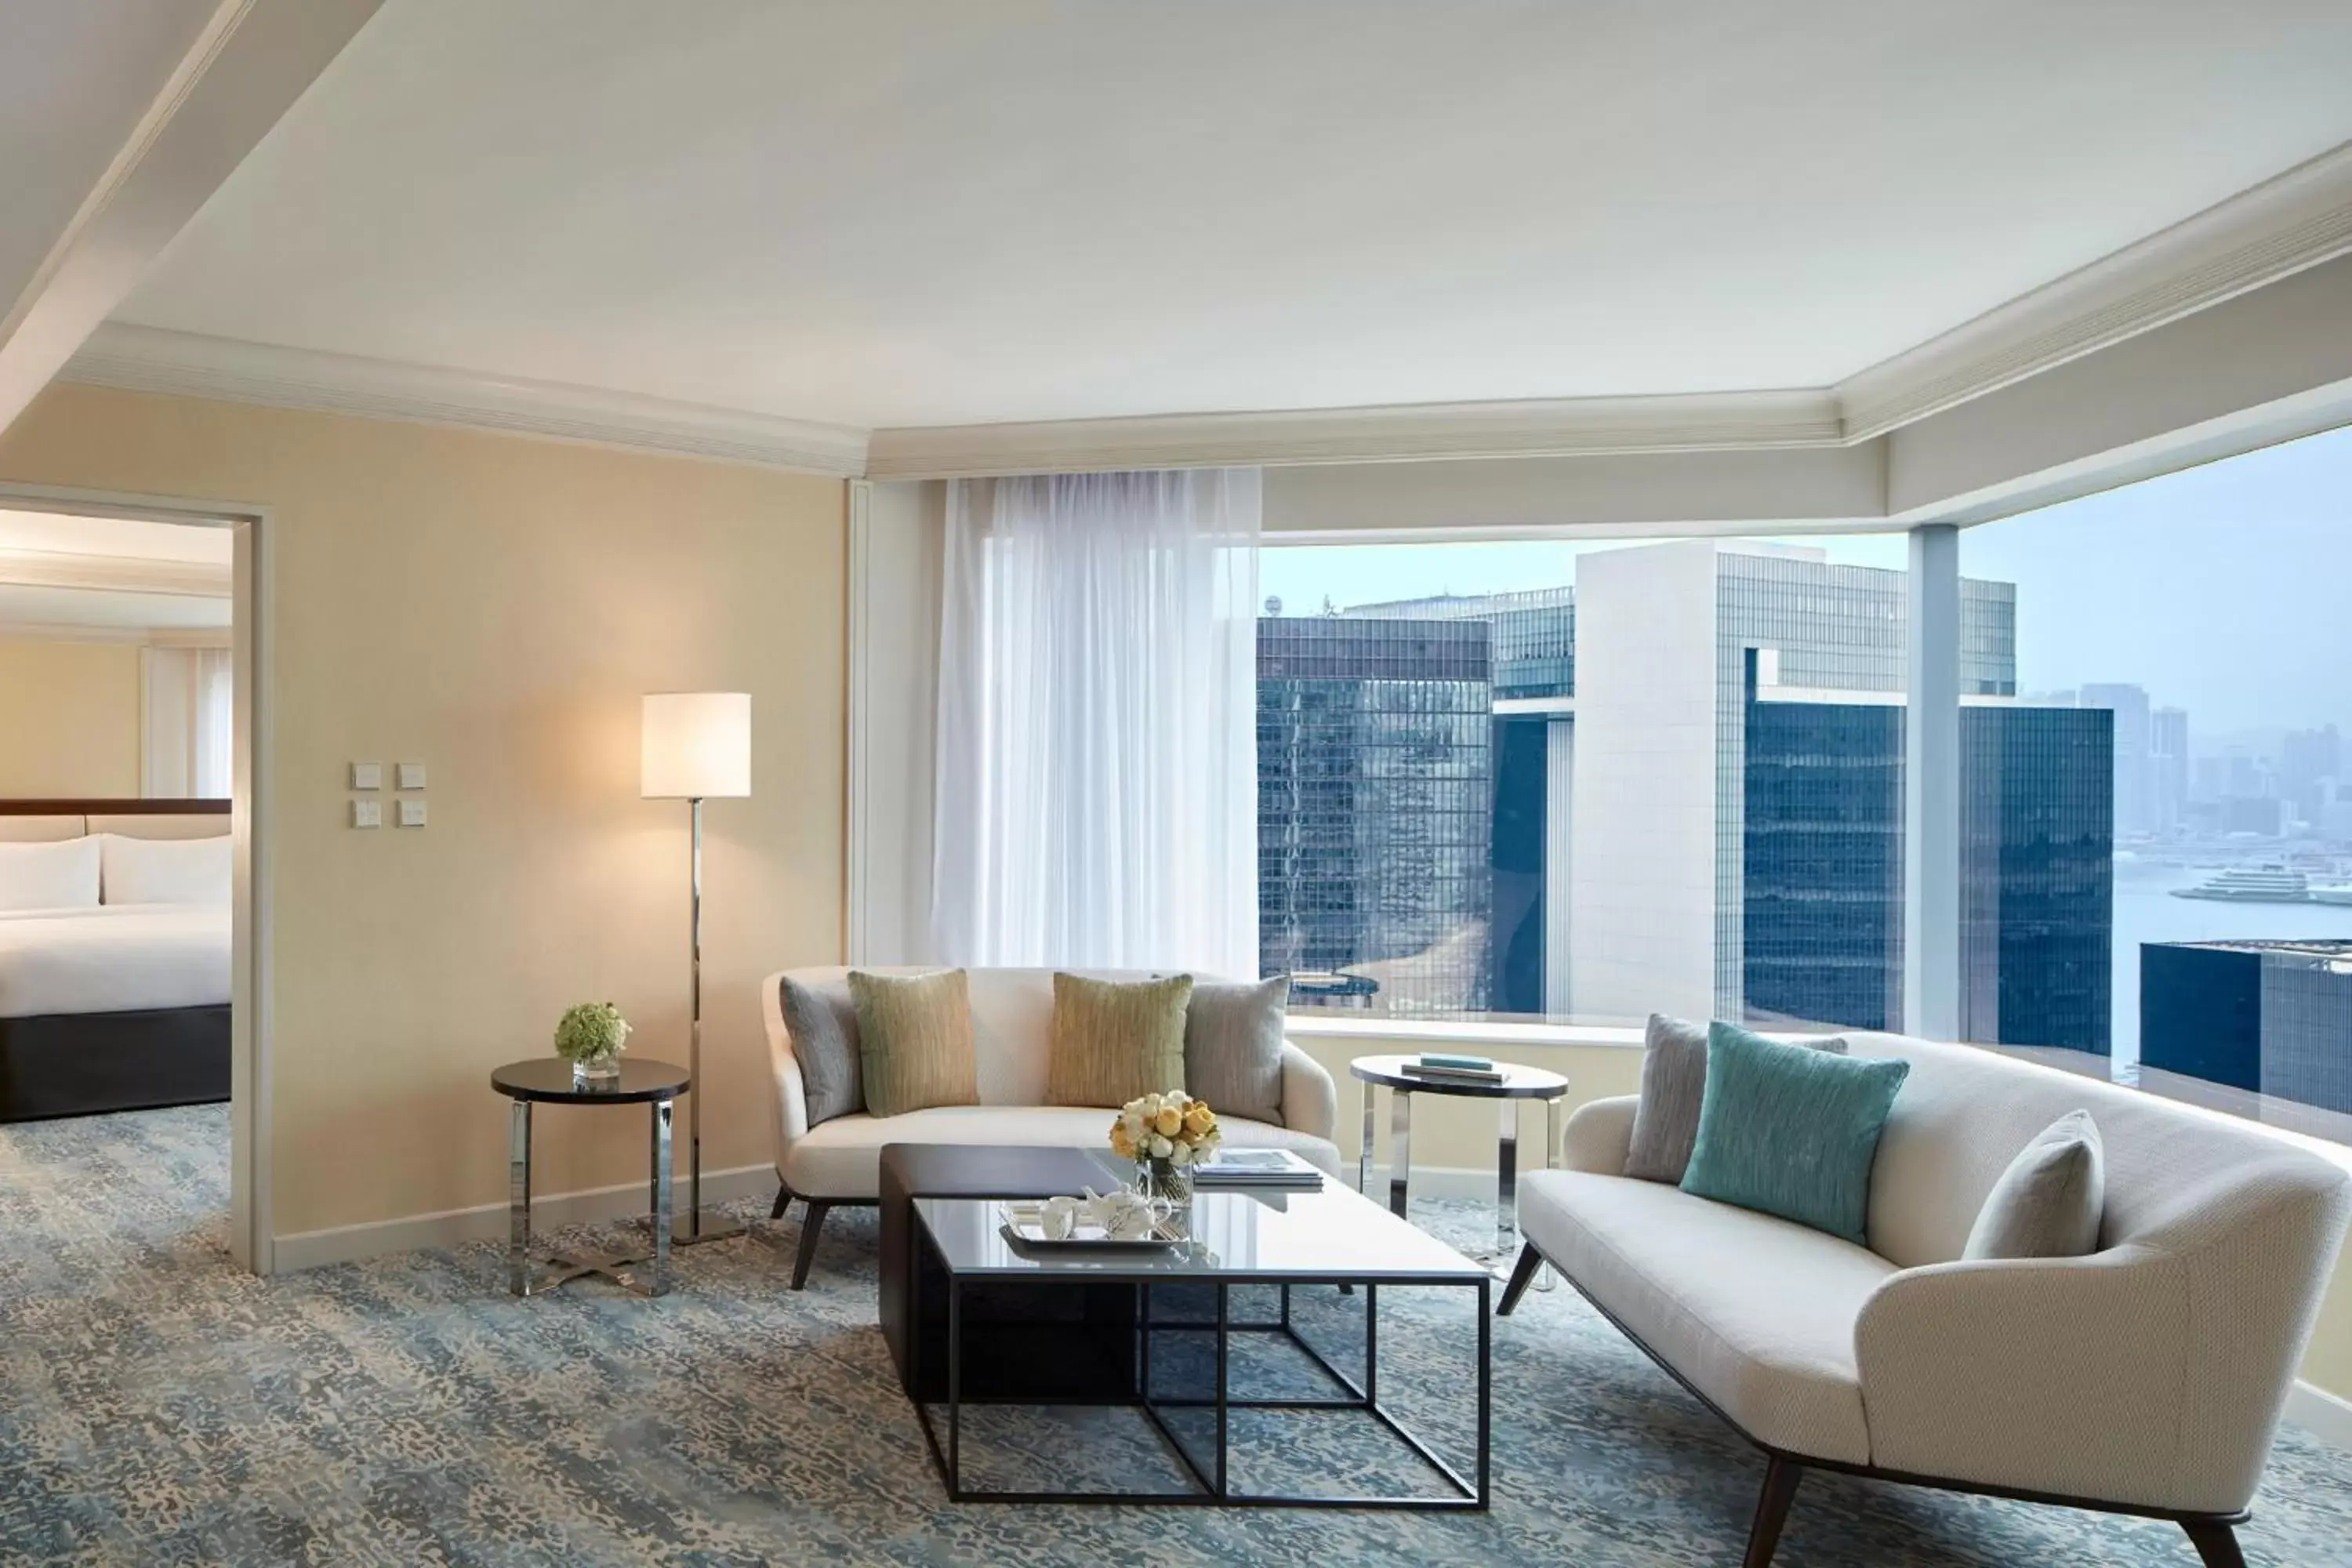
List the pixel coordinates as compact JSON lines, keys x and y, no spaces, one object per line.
{"x":1317,"y":1241}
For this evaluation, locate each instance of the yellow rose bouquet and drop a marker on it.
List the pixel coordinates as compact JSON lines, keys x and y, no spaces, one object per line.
{"x":1166,"y":1136}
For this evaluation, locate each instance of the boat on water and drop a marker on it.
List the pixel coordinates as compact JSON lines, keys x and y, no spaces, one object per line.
{"x":2338,"y":894}
{"x":2255,"y":885}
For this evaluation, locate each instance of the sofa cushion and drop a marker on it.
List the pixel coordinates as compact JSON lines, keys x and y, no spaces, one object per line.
{"x":1673,"y":1086}
{"x":843,"y":1158}
{"x":1790,"y":1132}
{"x":2049,"y":1202}
{"x":1114,"y":1041}
{"x":1756,"y":1312}
{"x":1233,"y":1046}
{"x":914,"y":1040}
{"x":823,"y":1022}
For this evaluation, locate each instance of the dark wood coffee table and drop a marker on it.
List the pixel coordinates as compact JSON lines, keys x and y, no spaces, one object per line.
{"x":1070,"y":1329}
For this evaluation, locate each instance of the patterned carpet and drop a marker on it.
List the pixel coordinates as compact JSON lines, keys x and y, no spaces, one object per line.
{"x":161,"y":1409}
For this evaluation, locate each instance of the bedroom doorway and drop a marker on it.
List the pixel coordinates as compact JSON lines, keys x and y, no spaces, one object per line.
{"x":134,"y":1016}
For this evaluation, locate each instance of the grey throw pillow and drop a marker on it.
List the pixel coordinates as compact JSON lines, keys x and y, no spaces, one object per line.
{"x":2050,"y":1201}
{"x":1673,"y":1083}
{"x":1233,"y":1046}
{"x":823,"y":1022}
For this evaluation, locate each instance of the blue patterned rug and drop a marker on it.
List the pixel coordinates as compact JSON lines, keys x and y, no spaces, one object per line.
{"x":160,"y":1407}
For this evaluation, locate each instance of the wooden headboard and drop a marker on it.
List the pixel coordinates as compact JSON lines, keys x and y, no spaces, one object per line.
{"x":219,"y":807}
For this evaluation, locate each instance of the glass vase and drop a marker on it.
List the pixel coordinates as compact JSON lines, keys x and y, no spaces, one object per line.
{"x":596,"y":1072}
{"x":1169,"y":1187}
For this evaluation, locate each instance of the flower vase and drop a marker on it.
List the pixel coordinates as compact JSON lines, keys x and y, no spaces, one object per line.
{"x":1170,"y":1186}
{"x":596,"y":1072}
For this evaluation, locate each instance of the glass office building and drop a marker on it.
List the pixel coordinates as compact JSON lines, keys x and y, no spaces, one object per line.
{"x":2272,"y":1017}
{"x":1376,"y":816}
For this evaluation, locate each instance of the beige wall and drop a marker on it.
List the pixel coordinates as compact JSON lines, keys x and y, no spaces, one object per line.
{"x":493,"y":606}
{"x":70,"y":713}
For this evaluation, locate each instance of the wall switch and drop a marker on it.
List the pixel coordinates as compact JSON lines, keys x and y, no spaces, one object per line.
{"x":367,"y":814}
{"x":367,"y":776}
{"x":412,"y":776}
{"x":412,"y":814}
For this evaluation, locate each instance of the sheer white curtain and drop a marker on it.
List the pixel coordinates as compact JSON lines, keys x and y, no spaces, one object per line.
{"x":187,"y":751}
{"x":1095,"y":792}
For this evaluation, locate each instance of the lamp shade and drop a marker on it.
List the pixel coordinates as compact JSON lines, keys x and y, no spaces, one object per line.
{"x":696,"y":743}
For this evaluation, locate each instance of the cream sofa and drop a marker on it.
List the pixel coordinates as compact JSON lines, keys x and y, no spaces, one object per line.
{"x":839,"y":1162}
{"x":2145,"y":1379}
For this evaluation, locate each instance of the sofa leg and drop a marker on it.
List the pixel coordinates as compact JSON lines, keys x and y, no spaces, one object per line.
{"x":1523,"y":1274}
{"x":2216,"y":1542}
{"x":811,"y":1221}
{"x":1780,"y":1478}
{"x":783,"y":1202}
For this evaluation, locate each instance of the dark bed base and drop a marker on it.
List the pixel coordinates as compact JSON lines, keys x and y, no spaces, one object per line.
{"x":2213,"y":1534}
{"x":81,"y":1064}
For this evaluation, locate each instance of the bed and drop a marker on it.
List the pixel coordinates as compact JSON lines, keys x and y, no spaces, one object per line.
{"x":118,"y":1004}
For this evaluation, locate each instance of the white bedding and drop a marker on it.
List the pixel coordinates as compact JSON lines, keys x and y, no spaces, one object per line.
{"x":112,"y":958}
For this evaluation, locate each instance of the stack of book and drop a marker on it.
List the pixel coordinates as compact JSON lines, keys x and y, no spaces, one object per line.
{"x":1258,"y":1168}
{"x":1438,"y":1068}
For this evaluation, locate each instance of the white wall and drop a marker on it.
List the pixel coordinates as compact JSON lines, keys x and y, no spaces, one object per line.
{"x":1641,"y":903}
{"x":895,"y":569}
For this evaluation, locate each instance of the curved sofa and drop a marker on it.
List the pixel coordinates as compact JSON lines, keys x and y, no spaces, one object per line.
{"x":839,"y":1162}
{"x":2146,"y":1378}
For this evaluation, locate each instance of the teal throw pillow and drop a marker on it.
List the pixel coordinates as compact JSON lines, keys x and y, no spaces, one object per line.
{"x":1791,"y":1131}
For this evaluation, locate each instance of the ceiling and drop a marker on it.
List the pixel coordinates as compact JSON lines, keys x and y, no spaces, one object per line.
{"x":120,"y":538}
{"x":926,"y":212}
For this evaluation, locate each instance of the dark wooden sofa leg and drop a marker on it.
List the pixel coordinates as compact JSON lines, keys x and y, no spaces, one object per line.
{"x":1780,"y":1478}
{"x":783,"y":1202}
{"x":1523,"y":1274}
{"x":2216,"y":1542}
{"x":811,"y":1221}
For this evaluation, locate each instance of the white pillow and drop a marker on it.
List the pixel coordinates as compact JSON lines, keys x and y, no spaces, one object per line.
{"x":62,"y":875}
{"x":166,"y":870}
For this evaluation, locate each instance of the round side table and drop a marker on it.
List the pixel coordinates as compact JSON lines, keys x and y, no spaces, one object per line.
{"x":1520,"y":1084}
{"x":548,"y":1081}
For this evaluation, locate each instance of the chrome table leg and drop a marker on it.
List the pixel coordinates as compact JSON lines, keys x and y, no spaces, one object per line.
{"x":1364,"y":1158}
{"x":1506,"y":1181}
{"x":519,"y":1199}
{"x":1399,"y":1150}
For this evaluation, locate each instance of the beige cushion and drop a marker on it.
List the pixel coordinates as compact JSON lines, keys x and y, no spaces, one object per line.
{"x":1233,"y":1046}
{"x":1758,"y":1312}
{"x":1114,"y":1041}
{"x":913,"y":1041}
{"x":2049,"y":1202}
{"x":843,"y":1158}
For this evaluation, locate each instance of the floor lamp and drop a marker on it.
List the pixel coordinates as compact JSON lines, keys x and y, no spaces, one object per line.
{"x":697,"y":746}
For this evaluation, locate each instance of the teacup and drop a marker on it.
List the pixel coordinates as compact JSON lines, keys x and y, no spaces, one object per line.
{"x":1057,"y":1218}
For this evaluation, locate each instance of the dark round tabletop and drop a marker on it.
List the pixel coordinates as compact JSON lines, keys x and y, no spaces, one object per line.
{"x":549,"y":1079}
{"x":1519,"y":1082}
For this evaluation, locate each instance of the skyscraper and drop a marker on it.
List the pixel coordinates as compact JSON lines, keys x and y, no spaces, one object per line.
{"x":2168,"y":740}
{"x":2267,"y":1017}
{"x":2309,"y":761}
{"x":2134,"y":770}
{"x":1375,"y":810}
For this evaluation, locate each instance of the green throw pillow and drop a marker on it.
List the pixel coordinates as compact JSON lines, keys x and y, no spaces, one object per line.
{"x":1116,"y":1040}
{"x":913,"y":1041}
{"x":1791,"y":1131}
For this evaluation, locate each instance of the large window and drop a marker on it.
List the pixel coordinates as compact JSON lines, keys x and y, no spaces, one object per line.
{"x":2198,"y":624}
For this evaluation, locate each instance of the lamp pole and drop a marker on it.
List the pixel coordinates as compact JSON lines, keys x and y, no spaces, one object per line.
{"x":697,"y":1228}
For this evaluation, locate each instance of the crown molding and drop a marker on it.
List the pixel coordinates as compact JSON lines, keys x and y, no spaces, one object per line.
{"x":2298,"y":219}
{"x":1398,"y":432}
{"x":145,"y":637}
{"x":114,"y":574}
{"x":153,"y":359}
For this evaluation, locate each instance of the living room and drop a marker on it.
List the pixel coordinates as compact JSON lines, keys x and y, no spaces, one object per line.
{"x":1703,"y":463}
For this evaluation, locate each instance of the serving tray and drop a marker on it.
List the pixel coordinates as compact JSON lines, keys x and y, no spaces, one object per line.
{"x":1024,"y":1225}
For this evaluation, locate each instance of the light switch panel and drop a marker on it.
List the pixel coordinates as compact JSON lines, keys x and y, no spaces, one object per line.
{"x":412,"y":814}
{"x":412,"y":776}
{"x":367,"y":776}
{"x":367,"y":814}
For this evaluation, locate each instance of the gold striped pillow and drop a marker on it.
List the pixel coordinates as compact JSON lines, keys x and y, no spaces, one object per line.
{"x":914,"y":1040}
{"x":1114,"y":1040}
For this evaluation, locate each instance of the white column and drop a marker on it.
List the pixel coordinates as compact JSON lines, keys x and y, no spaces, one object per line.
{"x":1931,"y":787}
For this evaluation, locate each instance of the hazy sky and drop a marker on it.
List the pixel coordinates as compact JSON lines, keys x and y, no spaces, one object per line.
{"x":2226,"y":590}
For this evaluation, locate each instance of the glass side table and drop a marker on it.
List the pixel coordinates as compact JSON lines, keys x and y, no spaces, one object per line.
{"x":548,"y":1081}
{"x":1520,"y":1084}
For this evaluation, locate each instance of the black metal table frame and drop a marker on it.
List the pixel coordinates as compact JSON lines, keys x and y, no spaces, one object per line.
{"x":1216,"y":1489}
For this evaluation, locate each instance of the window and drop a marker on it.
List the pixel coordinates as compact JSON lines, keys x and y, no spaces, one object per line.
{"x":2192,"y":629}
